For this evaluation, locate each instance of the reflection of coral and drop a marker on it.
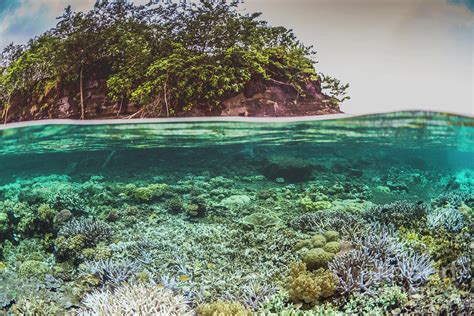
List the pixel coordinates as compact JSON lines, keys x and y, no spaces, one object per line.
{"x":132,"y":299}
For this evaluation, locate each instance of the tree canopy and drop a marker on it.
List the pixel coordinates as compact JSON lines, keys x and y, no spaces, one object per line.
{"x":175,"y":54}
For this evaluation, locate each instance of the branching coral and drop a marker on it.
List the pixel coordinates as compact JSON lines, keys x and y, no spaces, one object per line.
{"x":399,"y":213}
{"x":255,"y":293}
{"x":448,"y":218}
{"x":135,"y":299}
{"x":111,"y":272}
{"x":463,"y":270}
{"x":381,"y":243}
{"x":452,"y":199}
{"x":413,"y":270}
{"x":358,"y":270}
{"x":349,"y":225}
{"x":92,"y":230}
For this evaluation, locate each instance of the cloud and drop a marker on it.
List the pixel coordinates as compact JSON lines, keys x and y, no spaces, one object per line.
{"x":21,"y":20}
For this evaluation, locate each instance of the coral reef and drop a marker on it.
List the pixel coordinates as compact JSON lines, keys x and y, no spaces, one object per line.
{"x":135,"y":298}
{"x":226,"y":240}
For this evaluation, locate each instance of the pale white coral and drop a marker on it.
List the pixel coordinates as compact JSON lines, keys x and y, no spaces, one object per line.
{"x":135,"y":299}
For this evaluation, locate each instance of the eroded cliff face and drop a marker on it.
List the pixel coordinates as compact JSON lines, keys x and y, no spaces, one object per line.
{"x":271,"y":99}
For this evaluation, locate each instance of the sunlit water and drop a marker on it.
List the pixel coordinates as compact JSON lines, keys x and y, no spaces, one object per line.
{"x":379,"y":159}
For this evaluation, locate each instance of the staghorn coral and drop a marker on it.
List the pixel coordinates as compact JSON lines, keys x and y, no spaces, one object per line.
{"x":413,"y":270}
{"x":380,"y":243}
{"x":111,"y":272}
{"x":399,"y":213}
{"x":135,"y":299}
{"x":92,"y":230}
{"x":463,"y":270}
{"x":445,"y":218}
{"x":357,"y":271}
{"x":255,"y":293}
{"x":452,"y":199}
{"x":347,"y":224}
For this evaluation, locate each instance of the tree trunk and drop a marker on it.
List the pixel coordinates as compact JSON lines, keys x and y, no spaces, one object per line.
{"x":81,"y":91}
{"x":166,"y":100}
{"x":5,"y":112}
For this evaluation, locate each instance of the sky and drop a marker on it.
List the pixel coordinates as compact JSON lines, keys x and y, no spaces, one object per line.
{"x":395,"y":54}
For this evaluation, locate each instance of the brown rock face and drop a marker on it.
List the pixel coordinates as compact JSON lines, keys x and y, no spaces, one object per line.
{"x":260,"y":99}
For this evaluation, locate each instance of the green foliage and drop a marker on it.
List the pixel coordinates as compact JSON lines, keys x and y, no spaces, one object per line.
{"x":335,"y":89}
{"x":172,"y":56}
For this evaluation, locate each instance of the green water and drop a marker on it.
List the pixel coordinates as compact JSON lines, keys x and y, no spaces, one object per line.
{"x":256,"y":217}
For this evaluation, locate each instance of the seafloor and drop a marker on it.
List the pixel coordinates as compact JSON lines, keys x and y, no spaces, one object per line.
{"x":355,"y":216}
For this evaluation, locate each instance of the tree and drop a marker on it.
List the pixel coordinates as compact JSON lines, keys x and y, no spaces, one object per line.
{"x":170,"y":56}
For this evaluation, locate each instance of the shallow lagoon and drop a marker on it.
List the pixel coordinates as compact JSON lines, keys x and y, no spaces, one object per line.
{"x":354,"y":215}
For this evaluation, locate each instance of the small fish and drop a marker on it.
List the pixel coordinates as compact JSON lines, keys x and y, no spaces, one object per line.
{"x":184,"y":278}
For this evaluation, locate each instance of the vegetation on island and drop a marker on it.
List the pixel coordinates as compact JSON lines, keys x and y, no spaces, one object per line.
{"x":171,"y":55}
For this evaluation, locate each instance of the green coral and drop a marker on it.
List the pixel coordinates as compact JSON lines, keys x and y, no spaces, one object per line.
{"x":261,"y":220}
{"x":146,"y":193}
{"x":33,"y":268}
{"x":331,"y":235}
{"x":317,"y":258}
{"x":308,"y":205}
{"x":222,"y":308}
{"x":332,"y":247}
{"x":317,"y":251}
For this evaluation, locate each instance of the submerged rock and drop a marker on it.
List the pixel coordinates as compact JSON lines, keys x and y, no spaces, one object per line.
{"x":287,"y":168}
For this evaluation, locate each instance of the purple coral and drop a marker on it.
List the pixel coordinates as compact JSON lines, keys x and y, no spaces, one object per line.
{"x":358,"y":270}
{"x":413,"y":270}
{"x":93,"y":231}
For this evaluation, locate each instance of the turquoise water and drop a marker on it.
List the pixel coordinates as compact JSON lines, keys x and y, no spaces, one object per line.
{"x":227,"y":217}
